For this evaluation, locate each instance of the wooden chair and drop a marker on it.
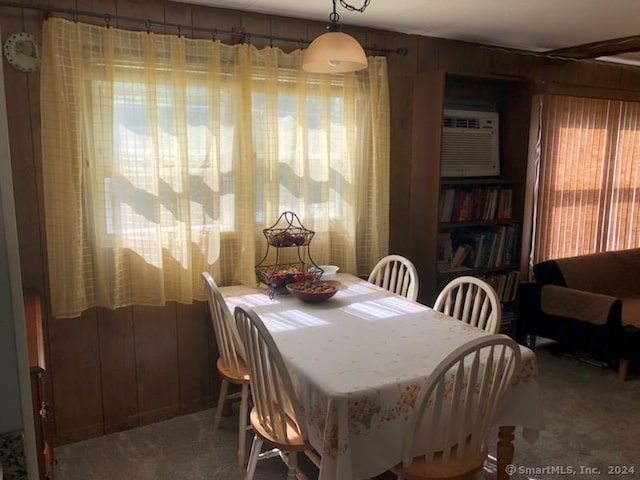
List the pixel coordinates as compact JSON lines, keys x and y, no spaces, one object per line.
{"x":276,"y":416}
{"x":396,"y":274}
{"x":231,"y":364}
{"x":471,"y":300}
{"x":447,"y":433}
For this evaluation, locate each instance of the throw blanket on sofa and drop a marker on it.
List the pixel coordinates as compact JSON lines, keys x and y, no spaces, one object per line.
{"x":586,"y":306}
{"x":610,"y":275}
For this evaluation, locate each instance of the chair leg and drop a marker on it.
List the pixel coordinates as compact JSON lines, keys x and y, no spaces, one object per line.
{"x":292,"y":462}
{"x":224,"y":388}
{"x":623,"y":369}
{"x":242,"y":424}
{"x":256,"y":446}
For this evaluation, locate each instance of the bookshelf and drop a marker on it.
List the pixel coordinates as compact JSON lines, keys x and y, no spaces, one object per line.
{"x":478,"y":235}
{"x":469,"y":225}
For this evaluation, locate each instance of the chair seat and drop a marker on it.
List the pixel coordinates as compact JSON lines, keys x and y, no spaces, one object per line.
{"x":294,"y":441}
{"x":441,"y":469}
{"x":239,"y":378}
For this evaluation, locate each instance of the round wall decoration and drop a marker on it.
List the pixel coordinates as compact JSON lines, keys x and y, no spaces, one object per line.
{"x":23,"y":51}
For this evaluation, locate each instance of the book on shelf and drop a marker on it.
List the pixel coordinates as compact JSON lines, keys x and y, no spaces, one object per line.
{"x":507,"y":319}
{"x":501,"y":232}
{"x":467,"y":210}
{"x":477,"y":204}
{"x":511,"y":290}
{"x":511,"y":243}
{"x":505,"y":284}
{"x":445,"y":248}
{"x":457,"y":205}
{"x":504,"y":204}
{"x":490,"y":247}
{"x":475,"y":241}
{"x":448,"y":259}
{"x":489,"y":205}
{"x":460,"y":255}
{"x":447,"y":199}
{"x":489,"y":254}
{"x":481,"y":198}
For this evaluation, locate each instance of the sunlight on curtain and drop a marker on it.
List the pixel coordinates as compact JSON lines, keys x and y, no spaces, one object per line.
{"x":624,"y":218}
{"x":588,"y":180}
{"x":165,"y":156}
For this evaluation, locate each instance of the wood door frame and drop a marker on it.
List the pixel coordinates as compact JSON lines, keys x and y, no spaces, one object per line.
{"x":16,"y":307}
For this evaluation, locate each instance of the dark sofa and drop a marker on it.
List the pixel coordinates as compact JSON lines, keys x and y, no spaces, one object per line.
{"x":588,"y":302}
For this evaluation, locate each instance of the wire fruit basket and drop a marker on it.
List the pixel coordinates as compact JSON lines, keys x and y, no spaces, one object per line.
{"x":287,"y":233}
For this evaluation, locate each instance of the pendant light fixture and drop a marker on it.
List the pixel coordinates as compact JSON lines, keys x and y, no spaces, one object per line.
{"x":335,"y":51}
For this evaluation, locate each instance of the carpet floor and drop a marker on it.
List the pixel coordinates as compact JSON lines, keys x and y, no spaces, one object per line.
{"x":592,"y":429}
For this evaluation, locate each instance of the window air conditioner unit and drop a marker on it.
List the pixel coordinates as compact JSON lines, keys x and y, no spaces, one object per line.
{"x":470,"y":144}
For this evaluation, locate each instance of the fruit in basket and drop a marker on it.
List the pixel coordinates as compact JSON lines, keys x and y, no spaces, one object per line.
{"x":281,"y":277}
{"x":284,"y":239}
{"x":304,"y":276}
{"x":288,"y":239}
{"x":281,"y":271}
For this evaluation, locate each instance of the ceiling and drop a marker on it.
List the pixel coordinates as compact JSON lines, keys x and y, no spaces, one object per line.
{"x":533,"y":25}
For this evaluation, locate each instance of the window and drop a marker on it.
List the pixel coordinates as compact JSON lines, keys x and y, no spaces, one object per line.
{"x":589,"y":177}
{"x":165,"y":156}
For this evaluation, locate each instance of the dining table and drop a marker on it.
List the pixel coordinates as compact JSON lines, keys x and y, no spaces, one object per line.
{"x":357,"y":362}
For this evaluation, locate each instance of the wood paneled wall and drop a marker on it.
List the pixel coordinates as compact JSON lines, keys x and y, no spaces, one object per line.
{"x":112,"y":370}
{"x":117,"y":369}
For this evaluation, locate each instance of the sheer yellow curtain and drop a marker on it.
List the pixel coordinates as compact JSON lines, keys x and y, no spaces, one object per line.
{"x":165,"y":156}
{"x":589,"y":177}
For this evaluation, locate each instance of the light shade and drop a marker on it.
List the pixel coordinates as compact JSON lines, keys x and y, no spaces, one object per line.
{"x":334,"y":52}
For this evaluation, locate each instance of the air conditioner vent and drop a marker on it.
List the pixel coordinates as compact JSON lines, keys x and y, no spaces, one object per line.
{"x":470,"y":144}
{"x":457,"y":122}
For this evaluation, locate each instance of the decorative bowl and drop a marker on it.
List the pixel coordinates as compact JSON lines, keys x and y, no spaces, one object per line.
{"x":314,"y":292}
{"x":328,"y":271}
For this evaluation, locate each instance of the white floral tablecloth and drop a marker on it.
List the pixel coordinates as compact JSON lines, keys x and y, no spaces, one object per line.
{"x":357,"y":362}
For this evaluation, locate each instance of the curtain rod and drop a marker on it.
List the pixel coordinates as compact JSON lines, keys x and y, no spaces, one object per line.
{"x":148,"y":23}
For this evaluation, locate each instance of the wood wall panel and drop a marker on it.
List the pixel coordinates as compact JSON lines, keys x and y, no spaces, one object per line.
{"x":156,"y":344}
{"x":281,"y":27}
{"x":147,"y":9}
{"x":401,"y":72}
{"x":19,"y":99}
{"x":424,"y":186}
{"x":99,"y":6}
{"x":203,"y":17}
{"x":118,"y":369}
{"x":315,"y":29}
{"x":261,"y":25}
{"x":375,"y":40}
{"x":180,"y":14}
{"x":113,"y":370}
{"x":196,"y":377}
{"x":75,"y":366}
